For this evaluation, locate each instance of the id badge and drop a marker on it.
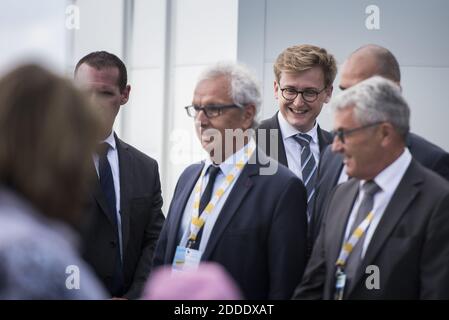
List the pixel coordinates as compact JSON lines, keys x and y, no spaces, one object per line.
{"x":339,"y":284}
{"x":186,"y":259}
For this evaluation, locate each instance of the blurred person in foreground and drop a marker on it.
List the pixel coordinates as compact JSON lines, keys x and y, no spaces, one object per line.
{"x":210,"y":282}
{"x":47,"y":136}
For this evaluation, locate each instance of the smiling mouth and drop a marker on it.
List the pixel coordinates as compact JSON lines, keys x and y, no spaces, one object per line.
{"x":304,"y":111}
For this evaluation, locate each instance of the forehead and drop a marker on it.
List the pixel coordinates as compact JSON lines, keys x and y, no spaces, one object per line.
{"x":212,"y":90}
{"x":313,"y":77}
{"x":88,"y":76}
{"x":345,"y":118}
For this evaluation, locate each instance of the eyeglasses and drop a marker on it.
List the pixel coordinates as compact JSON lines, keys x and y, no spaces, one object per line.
{"x":341,"y":133}
{"x":209,"y":111}
{"x":308,"y":95}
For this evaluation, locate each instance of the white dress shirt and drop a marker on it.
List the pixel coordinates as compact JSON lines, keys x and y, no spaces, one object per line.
{"x":293,"y":148}
{"x":225,"y":168}
{"x":114,"y":163}
{"x":388,"y":180}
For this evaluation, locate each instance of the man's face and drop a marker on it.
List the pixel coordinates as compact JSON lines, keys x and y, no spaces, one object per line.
{"x":361,"y":148}
{"x":215,"y":92}
{"x":299,"y":113}
{"x":357,"y":68}
{"x":103,"y":88}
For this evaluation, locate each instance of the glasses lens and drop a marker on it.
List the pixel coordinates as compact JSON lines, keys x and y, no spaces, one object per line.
{"x":289,"y":94}
{"x":309,"y":95}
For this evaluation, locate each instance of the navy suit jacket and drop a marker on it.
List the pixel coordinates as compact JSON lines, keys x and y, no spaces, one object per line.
{"x":260,"y":234}
{"x":331,"y":164}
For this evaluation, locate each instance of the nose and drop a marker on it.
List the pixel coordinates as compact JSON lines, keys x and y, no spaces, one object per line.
{"x":299,"y":101}
{"x":337,"y":145}
{"x":201,"y":118}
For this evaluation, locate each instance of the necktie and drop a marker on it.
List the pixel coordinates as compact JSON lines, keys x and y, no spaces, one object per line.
{"x":308,"y":168}
{"x":205,"y":198}
{"x":107,"y":186}
{"x":107,"y":181}
{"x":370,"y":188}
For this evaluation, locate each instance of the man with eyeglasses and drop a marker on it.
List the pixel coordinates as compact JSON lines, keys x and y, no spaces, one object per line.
{"x":304,"y":75}
{"x":385,"y":233}
{"x":366,"y":62}
{"x":226,"y":209}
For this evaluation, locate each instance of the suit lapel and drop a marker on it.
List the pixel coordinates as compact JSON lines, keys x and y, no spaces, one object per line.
{"x":324,"y":139}
{"x":98,"y":195}
{"x":341,"y":211}
{"x":272,"y":138}
{"x":177,"y":209}
{"x":238,"y":193}
{"x":125,"y":160}
{"x":405,"y":193}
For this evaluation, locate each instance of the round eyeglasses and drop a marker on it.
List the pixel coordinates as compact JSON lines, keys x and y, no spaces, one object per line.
{"x":308,"y":95}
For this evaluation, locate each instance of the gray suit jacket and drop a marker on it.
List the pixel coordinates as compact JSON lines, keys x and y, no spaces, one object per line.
{"x":410,"y":245}
{"x":331,"y":164}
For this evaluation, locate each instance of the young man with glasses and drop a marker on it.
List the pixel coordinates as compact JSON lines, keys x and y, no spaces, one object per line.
{"x":225,"y":209}
{"x":304,"y":75}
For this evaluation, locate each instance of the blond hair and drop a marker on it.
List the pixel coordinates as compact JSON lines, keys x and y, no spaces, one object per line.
{"x":303,"y":57}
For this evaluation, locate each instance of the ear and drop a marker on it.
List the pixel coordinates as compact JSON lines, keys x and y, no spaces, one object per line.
{"x":249,"y":113}
{"x":387,"y":133}
{"x":124,"y":95}
{"x":328,"y":94}
{"x":276,"y":89}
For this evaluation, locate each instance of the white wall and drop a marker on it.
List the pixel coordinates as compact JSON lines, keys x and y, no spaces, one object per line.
{"x":415,"y":31}
{"x":33,"y":31}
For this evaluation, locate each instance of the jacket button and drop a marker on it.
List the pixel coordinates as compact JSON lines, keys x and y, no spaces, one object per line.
{"x":113,"y":243}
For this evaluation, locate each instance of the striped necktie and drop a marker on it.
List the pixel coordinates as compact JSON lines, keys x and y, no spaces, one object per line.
{"x":308,"y":169}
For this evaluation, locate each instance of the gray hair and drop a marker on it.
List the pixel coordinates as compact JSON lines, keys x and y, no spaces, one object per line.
{"x":375,"y":100}
{"x":244,"y":87}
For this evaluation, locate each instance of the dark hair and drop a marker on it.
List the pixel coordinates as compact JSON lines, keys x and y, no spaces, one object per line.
{"x":103,"y":59}
{"x":48,"y":132}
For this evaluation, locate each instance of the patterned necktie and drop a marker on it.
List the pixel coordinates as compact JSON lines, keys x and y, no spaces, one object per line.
{"x":107,"y":186}
{"x":308,"y":169}
{"x":205,"y":198}
{"x":370,"y":188}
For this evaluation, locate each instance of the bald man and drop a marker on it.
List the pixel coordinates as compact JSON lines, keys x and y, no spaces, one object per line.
{"x":365,"y":62}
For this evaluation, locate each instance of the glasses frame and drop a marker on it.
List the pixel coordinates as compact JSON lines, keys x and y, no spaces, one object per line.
{"x":317,"y":93}
{"x":341,"y":133}
{"x":193,"y":111}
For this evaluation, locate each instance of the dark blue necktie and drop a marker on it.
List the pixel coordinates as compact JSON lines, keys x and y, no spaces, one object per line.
{"x":205,"y":198}
{"x":107,"y":186}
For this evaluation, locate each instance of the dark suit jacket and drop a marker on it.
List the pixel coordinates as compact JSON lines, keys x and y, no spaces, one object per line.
{"x":410,"y":245}
{"x":324,"y":139}
{"x":259,"y":236}
{"x":141,"y":218}
{"x":331,"y":164}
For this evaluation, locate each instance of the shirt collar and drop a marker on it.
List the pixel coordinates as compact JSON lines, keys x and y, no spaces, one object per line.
{"x":288,"y":131}
{"x":110,"y":140}
{"x":227,"y":165}
{"x":388,"y":179}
